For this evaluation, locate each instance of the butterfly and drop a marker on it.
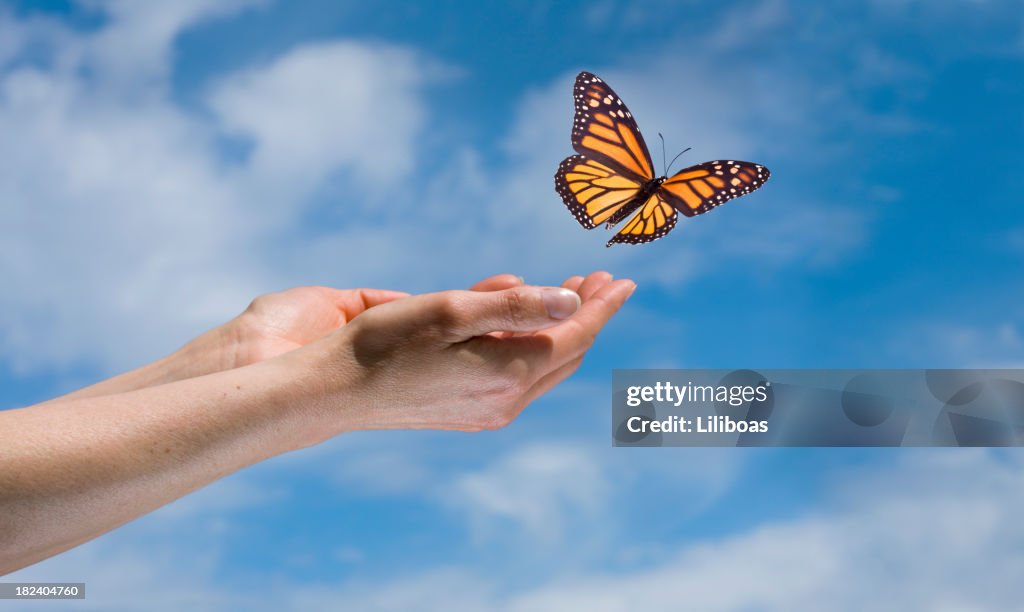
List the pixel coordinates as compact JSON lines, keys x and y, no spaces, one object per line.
{"x":612,"y":176}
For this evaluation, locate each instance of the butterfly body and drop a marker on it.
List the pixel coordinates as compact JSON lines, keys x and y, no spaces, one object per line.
{"x":612,"y":177}
{"x":646,"y":191}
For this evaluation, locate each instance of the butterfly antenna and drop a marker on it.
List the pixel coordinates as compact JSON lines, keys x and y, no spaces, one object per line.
{"x":675,"y":158}
{"x":663,"y":156}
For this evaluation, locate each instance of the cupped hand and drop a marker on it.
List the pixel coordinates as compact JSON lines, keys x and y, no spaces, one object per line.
{"x":460,"y":360}
{"x":280,"y":322}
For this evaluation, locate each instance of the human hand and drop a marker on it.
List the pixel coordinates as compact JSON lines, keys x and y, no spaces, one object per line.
{"x":279,"y":322}
{"x":458,"y":360}
{"x":273,"y":324}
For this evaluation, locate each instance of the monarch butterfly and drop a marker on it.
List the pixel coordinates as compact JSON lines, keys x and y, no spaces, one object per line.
{"x":612,"y":175}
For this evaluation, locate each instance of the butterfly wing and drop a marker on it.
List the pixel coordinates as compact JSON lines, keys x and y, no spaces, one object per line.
{"x":603,"y":129}
{"x":698,"y":189}
{"x":593,"y":191}
{"x":654,"y":219}
{"x":612,"y":173}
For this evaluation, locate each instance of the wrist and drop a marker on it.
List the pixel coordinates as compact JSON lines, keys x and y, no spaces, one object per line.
{"x":292,"y":402}
{"x":216,"y":350}
{"x":324,"y":377}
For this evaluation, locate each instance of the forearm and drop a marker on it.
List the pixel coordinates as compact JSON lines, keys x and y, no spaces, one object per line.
{"x":81,"y":467}
{"x":209,"y":353}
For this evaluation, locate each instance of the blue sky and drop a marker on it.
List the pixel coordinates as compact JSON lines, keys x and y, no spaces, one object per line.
{"x":163,"y":164}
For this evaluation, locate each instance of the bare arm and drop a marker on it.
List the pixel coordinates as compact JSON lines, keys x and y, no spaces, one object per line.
{"x":86,"y":465}
{"x":272,"y":325}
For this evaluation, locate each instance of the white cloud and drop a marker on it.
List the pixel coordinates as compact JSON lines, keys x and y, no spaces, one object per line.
{"x":441,"y":589}
{"x":578,"y":499}
{"x":145,"y":577}
{"x":124,"y":230}
{"x":932,"y":530}
{"x":748,"y":22}
{"x":133,"y":53}
{"x":329,"y":105}
{"x":381,"y":468}
{"x":538,"y":488}
{"x":163,"y":561}
{"x":113,"y":221}
{"x":237,"y":493}
{"x":926,"y":530}
{"x":937,"y":530}
{"x":984,"y":344}
{"x":1014,"y":240}
{"x":12,"y":36}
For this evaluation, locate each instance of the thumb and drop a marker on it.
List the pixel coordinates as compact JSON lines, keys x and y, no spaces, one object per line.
{"x":520,"y":309}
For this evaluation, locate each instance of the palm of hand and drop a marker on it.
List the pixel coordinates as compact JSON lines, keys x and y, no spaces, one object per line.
{"x":280,"y":322}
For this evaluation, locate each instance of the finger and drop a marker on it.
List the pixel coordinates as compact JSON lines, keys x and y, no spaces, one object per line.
{"x":551,"y":379}
{"x":461,"y":315}
{"x":497,"y":283}
{"x":573,"y":283}
{"x":593,"y":283}
{"x":574,"y":336}
{"x":355,"y":301}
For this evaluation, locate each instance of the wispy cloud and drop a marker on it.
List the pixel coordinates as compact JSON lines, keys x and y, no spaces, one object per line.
{"x":328,"y":106}
{"x":992,"y":344}
{"x":935,"y":530}
{"x":119,"y":198}
{"x":538,"y":489}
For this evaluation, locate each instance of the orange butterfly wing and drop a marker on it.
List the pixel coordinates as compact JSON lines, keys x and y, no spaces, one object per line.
{"x":604,"y":129}
{"x":654,"y":219}
{"x":698,"y":189}
{"x":592,"y":191}
{"x":613,"y":164}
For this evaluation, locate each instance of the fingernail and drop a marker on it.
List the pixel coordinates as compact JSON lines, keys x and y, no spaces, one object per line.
{"x":632,"y":288}
{"x":522,"y":281}
{"x":561,"y":303}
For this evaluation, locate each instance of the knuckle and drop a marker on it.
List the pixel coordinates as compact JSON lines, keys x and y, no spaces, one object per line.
{"x":505,"y":388}
{"x":256,"y":303}
{"x":589,"y":337}
{"x":447,"y":310}
{"x":449,"y":317}
{"x":513,"y":306}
